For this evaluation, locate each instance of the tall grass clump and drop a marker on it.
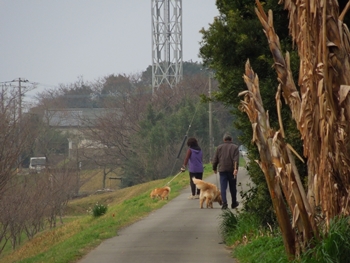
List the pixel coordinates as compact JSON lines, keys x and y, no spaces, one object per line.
{"x":235,"y":228}
{"x":228,"y":224}
{"x":99,"y":210}
{"x":333,"y":246}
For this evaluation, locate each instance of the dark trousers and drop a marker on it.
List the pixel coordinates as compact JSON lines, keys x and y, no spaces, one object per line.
{"x":227,"y":178}
{"x":193,"y":186}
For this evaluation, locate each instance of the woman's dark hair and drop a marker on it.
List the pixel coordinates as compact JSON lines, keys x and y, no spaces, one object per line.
{"x":192,"y":142}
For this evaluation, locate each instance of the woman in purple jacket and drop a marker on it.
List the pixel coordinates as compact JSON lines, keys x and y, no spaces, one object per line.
{"x":194,"y":159}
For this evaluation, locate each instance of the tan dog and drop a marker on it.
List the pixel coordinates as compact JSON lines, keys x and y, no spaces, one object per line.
{"x":162,"y":192}
{"x":209,"y":192}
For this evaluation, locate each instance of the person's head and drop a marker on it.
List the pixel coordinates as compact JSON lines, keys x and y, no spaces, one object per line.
{"x":227,"y":137}
{"x":192,"y":142}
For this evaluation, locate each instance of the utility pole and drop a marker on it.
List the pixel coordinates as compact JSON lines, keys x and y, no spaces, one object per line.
{"x":19,"y":116}
{"x":210,"y":123}
{"x":19,"y":80}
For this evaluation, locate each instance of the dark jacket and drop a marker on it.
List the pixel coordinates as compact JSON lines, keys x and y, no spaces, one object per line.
{"x":226,"y":155}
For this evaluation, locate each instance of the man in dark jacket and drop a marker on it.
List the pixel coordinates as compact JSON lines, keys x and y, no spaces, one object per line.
{"x":226,"y":158}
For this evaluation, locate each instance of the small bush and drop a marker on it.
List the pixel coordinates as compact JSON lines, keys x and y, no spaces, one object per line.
{"x":99,"y":210}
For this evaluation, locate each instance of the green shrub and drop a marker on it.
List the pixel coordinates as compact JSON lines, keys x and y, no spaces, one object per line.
{"x":99,"y":210}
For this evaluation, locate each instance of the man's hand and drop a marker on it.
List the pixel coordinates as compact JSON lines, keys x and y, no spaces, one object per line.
{"x":215,"y":171}
{"x":235,"y":172}
{"x":183,"y":168}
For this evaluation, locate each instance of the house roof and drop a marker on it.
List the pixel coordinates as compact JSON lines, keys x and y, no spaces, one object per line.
{"x":73,"y":117}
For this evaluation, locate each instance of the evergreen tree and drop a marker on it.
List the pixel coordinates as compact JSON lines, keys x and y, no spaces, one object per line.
{"x":234,"y":37}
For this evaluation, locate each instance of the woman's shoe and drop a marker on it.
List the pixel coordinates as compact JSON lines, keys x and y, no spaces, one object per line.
{"x":191,"y":197}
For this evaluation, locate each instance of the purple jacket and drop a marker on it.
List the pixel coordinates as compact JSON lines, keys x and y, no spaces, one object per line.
{"x":194,"y":158}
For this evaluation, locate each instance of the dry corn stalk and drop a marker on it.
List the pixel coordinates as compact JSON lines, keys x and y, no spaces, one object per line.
{"x":321,"y":109}
{"x":263,"y":137}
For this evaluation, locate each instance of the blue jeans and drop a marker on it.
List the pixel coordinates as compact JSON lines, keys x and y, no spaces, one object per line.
{"x":227,"y":178}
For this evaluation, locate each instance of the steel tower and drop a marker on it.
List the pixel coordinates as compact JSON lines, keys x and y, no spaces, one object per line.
{"x":166,"y":43}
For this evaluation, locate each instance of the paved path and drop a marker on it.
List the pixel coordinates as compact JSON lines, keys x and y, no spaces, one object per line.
{"x":179,"y":232}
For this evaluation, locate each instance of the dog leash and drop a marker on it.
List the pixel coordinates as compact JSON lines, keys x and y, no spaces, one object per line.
{"x":174,"y":177}
{"x":216,"y":177}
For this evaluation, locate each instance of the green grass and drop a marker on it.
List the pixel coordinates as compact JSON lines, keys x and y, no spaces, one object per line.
{"x":264,"y":249}
{"x":251,"y":242}
{"x":333,"y":247}
{"x":242,"y":162}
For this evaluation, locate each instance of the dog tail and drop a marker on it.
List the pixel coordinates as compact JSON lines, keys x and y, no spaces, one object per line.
{"x":195,"y":180}
{"x":199,"y":183}
{"x":168,"y":187}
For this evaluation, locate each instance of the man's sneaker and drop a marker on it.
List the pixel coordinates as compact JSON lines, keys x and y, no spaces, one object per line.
{"x":224,"y":206}
{"x":191,"y":197}
{"x":196,"y":197}
{"x":233,"y":206}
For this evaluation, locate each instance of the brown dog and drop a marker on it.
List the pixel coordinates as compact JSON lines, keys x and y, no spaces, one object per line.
{"x":209,"y":192}
{"x":162,"y":192}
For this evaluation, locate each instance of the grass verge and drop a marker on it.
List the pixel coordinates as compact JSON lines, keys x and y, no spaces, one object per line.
{"x":251,"y":242}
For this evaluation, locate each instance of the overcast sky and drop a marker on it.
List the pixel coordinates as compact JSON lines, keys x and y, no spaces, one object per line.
{"x":54,"y":42}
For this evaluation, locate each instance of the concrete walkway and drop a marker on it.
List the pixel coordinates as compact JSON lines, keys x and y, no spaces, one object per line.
{"x":179,"y":232}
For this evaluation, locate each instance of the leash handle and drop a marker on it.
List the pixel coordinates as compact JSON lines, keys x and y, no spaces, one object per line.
{"x":174,"y":177}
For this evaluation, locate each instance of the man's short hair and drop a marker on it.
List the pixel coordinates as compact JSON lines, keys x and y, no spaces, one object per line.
{"x":227,"y":137}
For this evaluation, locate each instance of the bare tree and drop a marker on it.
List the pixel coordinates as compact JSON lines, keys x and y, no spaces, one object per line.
{"x":108,"y":135}
{"x":13,"y":136}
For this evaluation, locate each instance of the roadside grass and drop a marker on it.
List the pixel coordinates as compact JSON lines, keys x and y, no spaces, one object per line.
{"x":263,"y":249}
{"x":333,"y":247}
{"x":249,"y":241}
{"x":81,"y":232}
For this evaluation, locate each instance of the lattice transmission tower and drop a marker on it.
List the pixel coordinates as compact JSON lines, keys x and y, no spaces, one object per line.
{"x":166,"y":43}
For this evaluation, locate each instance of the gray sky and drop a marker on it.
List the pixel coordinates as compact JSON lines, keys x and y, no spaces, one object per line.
{"x":54,"y":42}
